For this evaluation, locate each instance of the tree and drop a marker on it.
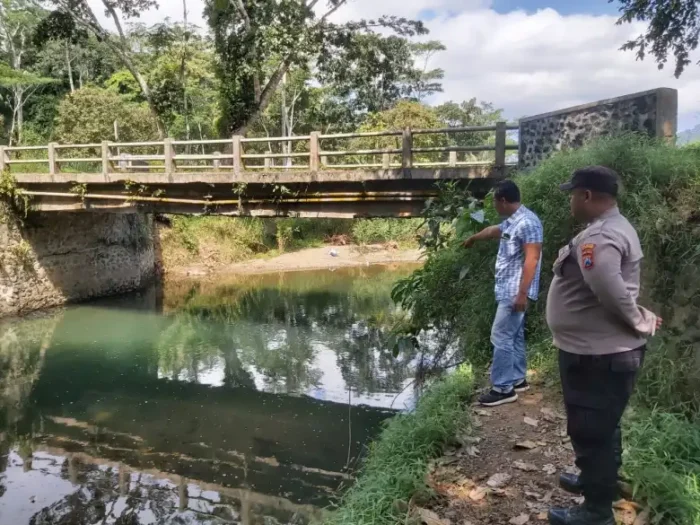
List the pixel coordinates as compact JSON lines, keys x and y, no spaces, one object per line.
{"x":18,"y":18}
{"x":673,"y":28}
{"x":250,"y":33}
{"x":60,"y":28}
{"x":84,"y":16}
{"x":87,"y":117}
{"x":427,"y":81}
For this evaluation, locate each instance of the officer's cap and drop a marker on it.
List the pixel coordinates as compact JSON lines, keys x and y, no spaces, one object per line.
{"x":594,"y":178}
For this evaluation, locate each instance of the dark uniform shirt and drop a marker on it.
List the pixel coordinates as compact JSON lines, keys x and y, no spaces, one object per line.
{"x":592,"y":305}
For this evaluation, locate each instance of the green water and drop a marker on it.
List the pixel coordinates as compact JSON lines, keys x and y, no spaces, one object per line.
{"x":242,"y":401}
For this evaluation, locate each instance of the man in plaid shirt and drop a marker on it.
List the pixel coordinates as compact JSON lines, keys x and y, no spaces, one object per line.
{"x":517,"y":280}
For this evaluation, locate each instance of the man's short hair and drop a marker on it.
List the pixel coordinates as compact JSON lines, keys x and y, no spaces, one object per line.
{"x":508,"y":191}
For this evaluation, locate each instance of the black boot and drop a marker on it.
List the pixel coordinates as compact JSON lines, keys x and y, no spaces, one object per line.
{"x":570,"y":483}
{"x":586,"y":514}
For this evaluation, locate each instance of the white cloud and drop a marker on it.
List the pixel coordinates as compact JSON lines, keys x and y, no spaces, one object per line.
{"x":523,"y":62}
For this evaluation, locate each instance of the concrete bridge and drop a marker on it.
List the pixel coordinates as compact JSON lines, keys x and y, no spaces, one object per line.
{"x":49,"y":258}
{"x":379,"y":174}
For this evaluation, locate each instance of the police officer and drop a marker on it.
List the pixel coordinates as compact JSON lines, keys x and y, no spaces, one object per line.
{"x":600,"y":332}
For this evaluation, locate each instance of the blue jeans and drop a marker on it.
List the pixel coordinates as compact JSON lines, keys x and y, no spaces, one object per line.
{"x":508,"y":338}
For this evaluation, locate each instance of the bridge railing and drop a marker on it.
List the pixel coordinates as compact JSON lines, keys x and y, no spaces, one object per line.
{"x":452,"y":147}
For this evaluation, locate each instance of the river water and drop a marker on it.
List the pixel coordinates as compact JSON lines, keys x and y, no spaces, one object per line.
{"x":249,"y":400}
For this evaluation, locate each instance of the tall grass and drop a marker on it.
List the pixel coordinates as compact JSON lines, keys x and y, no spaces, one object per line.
{"x":397,"y":462}
{"x":662,"y":191}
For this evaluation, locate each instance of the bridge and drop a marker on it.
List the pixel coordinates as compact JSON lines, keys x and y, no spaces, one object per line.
{"x":374,"y":174}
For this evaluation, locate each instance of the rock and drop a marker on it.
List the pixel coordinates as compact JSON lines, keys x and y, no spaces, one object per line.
{"x":472,"y":451}
{"x":499,"y":480}
{"x":526,"y":467}
{"x":531,"y":422}
{"x":526,"y":445}
{"x":549,"y":469}
{"x":520,"y":520}
{"x":542,"y":516}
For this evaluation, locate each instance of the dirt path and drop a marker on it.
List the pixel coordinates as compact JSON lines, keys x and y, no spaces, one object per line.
{"x":507,"y":473}
{"x":327,"y":257}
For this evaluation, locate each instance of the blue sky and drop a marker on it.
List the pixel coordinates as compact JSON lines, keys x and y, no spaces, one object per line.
{"x":592,"y":7}
{"x":525,"y":56}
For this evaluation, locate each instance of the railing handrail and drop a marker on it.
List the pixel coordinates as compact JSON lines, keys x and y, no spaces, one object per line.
{"x":234,"y":157}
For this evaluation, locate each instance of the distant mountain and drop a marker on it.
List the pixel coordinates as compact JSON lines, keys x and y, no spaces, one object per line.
{"x":689,"y":135}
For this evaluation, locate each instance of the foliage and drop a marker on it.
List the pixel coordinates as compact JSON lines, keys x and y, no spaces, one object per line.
{"x":395,"y":467}
{"x":88,"y":115}
{"x":672,"y":28}
{"x":454,"y":290}
{"x":663,"y":460}
{"x":257,"y":42}
{"x":377,"y":231}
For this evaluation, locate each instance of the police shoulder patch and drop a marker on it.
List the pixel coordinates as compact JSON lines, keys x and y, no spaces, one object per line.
{"x":588,"y":256}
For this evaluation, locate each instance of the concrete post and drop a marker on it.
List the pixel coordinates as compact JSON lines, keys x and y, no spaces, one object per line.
{"x":407,"y":149}
{"x":500,"y":161}
{"x":313,"y":150}
{"x":217,"y":162}
{"x":3,"y":159}
{"x":52,"y":159}
{"x":386,"y":160}
{"x":237,"y":154}
{"x":169,"y":154}
{"x":105,"y":158}
{"x":267,"y":163}
{"x":453,"y":159}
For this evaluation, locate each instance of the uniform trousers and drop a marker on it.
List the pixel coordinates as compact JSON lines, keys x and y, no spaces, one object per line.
{"x":597,"y":390}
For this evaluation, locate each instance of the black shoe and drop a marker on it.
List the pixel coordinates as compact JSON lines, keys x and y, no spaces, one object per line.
{"x":570,"y":483}
{"x":494,"y":398}
{"x":584,"y":515}
{"x":522,"y":387}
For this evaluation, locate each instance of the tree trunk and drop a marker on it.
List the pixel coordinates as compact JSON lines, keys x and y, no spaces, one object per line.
{"x":70,"y":68}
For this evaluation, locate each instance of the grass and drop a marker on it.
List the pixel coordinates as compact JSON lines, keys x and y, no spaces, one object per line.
{"x":454,"y":290}
{"x":397,"y":462}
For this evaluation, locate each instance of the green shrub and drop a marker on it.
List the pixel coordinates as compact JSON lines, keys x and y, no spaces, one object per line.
{"x":662,"y":191}
{"x":378,"y":231}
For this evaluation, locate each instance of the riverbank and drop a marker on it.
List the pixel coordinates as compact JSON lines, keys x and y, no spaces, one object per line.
{"x":662,"y":187}
{"x":324,"y":258}
{"x":199,"y":246}
{"x":391,"y":486}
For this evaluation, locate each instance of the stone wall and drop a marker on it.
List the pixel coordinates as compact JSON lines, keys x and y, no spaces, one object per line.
{"x":50,"y":259}
{"x":651,"y":112}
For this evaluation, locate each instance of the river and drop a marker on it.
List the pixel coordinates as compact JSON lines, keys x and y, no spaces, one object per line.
{"x":247,"y":400}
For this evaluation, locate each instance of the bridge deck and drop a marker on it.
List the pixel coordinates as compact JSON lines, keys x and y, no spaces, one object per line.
{"x":246,"y":178}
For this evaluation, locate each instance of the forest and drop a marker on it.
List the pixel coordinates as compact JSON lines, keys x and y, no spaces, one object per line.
{"x":259,"y":68}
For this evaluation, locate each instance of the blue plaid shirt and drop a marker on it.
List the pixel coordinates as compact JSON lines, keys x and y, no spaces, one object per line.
{"x":523,"y":227}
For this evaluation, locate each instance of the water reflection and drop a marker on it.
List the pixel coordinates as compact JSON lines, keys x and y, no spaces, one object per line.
{"x":213,"y":403}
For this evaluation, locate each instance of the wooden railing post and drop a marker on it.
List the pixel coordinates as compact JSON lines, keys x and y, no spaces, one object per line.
{"x":314,"y":159}
{"x":52,"y":158}
{"x":105,"y":158}
{"x":237,"y":154}
{"x":501,"y":129}
{"x":407,"y":149}
{"x":169,"y":154}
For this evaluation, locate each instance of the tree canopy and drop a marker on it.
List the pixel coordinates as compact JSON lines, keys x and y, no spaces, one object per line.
{"x":673,"y":29}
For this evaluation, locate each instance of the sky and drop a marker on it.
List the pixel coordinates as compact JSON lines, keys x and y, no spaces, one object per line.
{"x":524,"y":56}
